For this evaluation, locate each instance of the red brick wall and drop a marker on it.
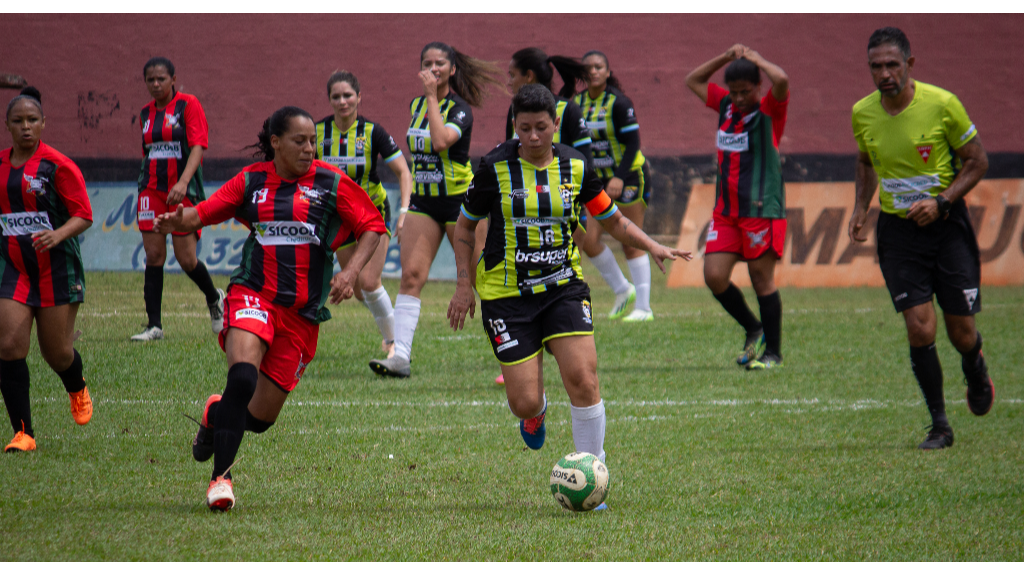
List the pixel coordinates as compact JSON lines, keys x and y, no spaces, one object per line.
{"x":88,"y":68}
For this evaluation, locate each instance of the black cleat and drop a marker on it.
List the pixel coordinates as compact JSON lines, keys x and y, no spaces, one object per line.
{"x":980,"y":389}
{"x":937,"y":439}
{"x":202,"y":444}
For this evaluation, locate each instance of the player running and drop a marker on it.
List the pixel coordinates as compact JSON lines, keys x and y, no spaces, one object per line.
{"x":352,"y":143}
{"x":531,"y":285}
{"x":439,"y":136}
{"x":44,"y":207}
{"x":174,"y":136}
{"x":918,"y":139}
{"x":621,"y":165}
{"x":749,"y":221}
{"x":299,"y":210}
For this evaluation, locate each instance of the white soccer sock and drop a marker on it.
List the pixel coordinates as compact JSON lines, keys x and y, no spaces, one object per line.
{"x":379,"y":304}
{"x":609,"y":269}
{"x":588,"y":429}
{"x":640,"y":270}
{"x":407,"y":315}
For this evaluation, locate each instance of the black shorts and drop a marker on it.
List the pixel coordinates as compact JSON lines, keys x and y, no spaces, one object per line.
{"x":443,"y":209}
{"x":635,"y":188}
{"x":941,"y":259}
{"x":385,"y":213}
{"x":518,"y":327}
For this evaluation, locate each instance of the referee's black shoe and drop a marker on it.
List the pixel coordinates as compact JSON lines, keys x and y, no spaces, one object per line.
{"x":980,"y":389}
{"x":938,"y":438}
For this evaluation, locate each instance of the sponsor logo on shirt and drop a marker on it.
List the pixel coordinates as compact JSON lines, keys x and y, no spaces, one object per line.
{"x":539,"y":221}
{"x":164,"y":150}
{"x":728,"y":142}
{"x":147,"y":215}
{"x":904,"y":201}
{"x":925,"y":152}
{"x":563,"y":274}
{"x":606,"y":162}
{"x":426,"y":159}
{"x":24,"y":223}
{"x":345,"y":161}
{"x":912,"y":184}
{"x":287,"y":233}
{"x":519,"y":194}
{"x":252,"y":314}
{"x":601,"y":146}
{"x":418,"y":132}
{"x":429,"y":177}
{"x":549,"y":257}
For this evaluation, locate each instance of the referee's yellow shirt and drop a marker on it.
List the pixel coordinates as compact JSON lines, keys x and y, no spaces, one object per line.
{"x":913,"y":151}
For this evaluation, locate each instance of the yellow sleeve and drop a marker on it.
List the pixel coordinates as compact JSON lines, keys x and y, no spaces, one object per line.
{"x":956,"y":124}
{"x":857,"y":133}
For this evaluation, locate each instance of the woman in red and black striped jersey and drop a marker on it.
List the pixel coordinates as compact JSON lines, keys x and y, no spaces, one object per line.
{"x":174,"y":136}
{"x":299,"y":211}
{"x":44,"y":207}
{"x":438,"y":138}
{"x":749,"y":221}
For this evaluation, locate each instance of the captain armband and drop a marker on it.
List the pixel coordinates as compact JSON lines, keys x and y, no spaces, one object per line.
{"x":601,"y":206}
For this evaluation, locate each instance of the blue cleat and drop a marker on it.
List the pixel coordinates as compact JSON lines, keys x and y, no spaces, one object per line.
{"x":532,"y":430}
{"x":602,"y":506}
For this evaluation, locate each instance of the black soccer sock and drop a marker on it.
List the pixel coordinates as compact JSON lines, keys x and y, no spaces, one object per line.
{"x":973,"y":363}
{"x":734,"y":303}
{"x":72,"y":375}
{"x":254,"y":424}
{"x":14,"y":387}
{"x":771,"y":317}
{"x":201,"y":276}
{"x":153,"y":292}
{"x":925,"y":362}
{"x":231,"y":416}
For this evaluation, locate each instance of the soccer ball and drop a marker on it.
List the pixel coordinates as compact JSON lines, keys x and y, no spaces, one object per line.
{"x":579,"y":482}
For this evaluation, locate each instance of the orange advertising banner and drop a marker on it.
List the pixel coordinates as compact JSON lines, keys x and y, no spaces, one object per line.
{"x":819,"y":252}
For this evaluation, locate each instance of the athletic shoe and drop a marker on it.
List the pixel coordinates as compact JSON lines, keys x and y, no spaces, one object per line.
{"x":765,"y":362}
{"x":217,"y":312}
{"x":221,"y":494}
{"x":202,"y":444}
{"x":937,"y":439}
{"x":388,"y":349}
{"x":601,"y":507}
{"x":81,"y":406}
{"x":623,"y":301}
{"x":980,"y":389}
{"x":639,"y":316}
{"x":533,"y":430}
{"x":22,"y":443}
{"x":752,"y":348}
{"x":500,"y":380}
{"x":149,"y":334}
{"x":394,"y":366}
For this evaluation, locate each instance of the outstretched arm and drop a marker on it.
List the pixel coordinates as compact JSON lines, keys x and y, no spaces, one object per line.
{"x":181,"y":220}
{"x":623,"y":230}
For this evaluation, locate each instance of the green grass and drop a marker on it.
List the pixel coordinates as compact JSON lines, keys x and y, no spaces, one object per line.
{"x":817,"y":461}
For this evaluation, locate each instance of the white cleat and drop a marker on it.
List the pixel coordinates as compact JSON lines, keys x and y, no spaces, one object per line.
{"x":217,"y":313}
{"x":220,"y":495}
{"x":149,"y":334}
{"x":622,"y":301}
{"x":639,"y":316}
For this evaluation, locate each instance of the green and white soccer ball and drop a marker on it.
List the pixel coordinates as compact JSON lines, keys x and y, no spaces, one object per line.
{"x":579,"y":482}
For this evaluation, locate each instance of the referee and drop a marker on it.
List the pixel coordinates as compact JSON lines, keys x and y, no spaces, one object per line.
{"x":919,"y":141}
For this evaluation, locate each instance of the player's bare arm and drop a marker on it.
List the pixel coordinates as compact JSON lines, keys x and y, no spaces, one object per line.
{"x":623,"y":230}
{"x":44,"y":241}
{"x":780,"y":81}
{"x":181,"y":220}
{"x":697,"y":81}
{"x":463,"y":301}
{"x":343,"y":283}
{"x":975,"y":165}
{"x":865,"y":183}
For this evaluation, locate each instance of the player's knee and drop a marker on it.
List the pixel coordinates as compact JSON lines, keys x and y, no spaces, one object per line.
{"x":186,"y":259}
{"x":57,"y":356}
{"x":413,"y":279}
{"x":715,"y":280}
{"x":582,"y":384}
{"x":11,"y":348}
{"x":254,"y":424}
{"x":156,"y":257}
{"x":526,"y":406}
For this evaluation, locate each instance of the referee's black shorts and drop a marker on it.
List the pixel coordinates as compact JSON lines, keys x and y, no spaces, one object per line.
{"x":941,"y":259}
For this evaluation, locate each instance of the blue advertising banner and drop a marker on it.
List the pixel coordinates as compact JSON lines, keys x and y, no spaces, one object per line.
{"x":114,"y":242}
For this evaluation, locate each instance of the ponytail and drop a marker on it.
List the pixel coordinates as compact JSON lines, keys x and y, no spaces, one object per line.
{"x":276,"y":125}
{"x":471,"y":75}
{"x":612,"y":80}
{"x":569,"y":69}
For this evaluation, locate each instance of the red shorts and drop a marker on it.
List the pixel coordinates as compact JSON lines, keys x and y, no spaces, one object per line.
{"x":291,"y":339}
{"x":751,"y":238}
{"x":153,"y":203}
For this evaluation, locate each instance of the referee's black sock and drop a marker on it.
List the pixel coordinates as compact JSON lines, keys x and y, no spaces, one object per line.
{"x":771,"y":318}
{"x":973,"y":363}
{"x":733,"y":302}
{"x":201,"y":276}
{"x":231,"y":416}
{"x":72,"y":375}
{"x":925,"y":362}
{"x":153,"y":292}
{"x":14,"y":387}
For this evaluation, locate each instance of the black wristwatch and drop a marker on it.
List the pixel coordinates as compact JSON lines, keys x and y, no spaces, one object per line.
{"x":944,"y":205}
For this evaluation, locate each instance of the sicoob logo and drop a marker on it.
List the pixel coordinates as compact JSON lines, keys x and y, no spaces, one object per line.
{"x":285,"y":233}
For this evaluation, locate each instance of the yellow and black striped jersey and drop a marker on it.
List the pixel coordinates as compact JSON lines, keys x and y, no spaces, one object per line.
{"x":355,"y":152}
{"x":533,"y":212}
{"x":445,"y":173}
{"x":572,"y":130}
{"x":615,"y":132}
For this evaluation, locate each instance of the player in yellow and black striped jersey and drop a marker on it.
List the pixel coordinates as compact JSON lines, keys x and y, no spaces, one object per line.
{"x":530,"y":282}
{"x":615,"y":132}
{"x":439,"y":138}
{"x":352,"y":143}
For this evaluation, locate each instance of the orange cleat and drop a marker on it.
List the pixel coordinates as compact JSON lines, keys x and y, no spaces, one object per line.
{"x":221,"y":494}
{"x":81,"y":406}
{"x":22,"y":443}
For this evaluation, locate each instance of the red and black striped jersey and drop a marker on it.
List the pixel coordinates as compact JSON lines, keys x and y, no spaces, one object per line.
{"x":168,"y":135}
{"x":749,"y":168}
{"x":295,"y":227}
{"x":41,"y":194}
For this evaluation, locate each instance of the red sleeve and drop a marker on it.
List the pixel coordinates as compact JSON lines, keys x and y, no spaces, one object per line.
{"x":777,"y":111}
{"x":196,"y":128}
{"x":224,"y":202}
{"x":358,"y":214}
{"x":71,"y":189}
{"x":715,"y":95}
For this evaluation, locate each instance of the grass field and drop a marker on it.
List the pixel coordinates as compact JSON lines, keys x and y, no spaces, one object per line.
{"x":817,"y":461}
